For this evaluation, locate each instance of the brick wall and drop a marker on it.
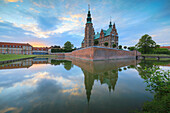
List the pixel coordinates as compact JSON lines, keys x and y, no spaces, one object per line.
{"x":102,"y":53}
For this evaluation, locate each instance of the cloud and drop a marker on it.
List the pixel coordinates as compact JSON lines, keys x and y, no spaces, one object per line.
{"x":40,"y":4}
{"x":13,"y":1}
{"x":34,"y":10}
{"x":161,"y":36}
{"x":1,"y":20}
{"x":9,"y":109}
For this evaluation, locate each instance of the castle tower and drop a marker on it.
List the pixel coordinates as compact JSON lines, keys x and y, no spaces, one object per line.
{"x":89,"y":31}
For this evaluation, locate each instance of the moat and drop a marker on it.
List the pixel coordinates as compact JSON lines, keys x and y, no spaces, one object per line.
{"x":50,"y":85}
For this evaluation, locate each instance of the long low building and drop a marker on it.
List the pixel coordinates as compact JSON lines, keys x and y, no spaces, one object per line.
{"x":15,"y":48}
{"x":22,"y":48}
{"x":40,"y":50}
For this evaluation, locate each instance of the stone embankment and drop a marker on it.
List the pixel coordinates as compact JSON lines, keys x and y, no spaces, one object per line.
{"x":102,"y":53}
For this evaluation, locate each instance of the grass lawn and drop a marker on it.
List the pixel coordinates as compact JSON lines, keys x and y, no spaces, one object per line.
{"x":5,"y":57}
{"x":155,"y":55}
{"x":161,"y":59}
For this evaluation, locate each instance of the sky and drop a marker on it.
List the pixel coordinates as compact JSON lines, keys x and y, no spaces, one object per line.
{"x":53,"y":22}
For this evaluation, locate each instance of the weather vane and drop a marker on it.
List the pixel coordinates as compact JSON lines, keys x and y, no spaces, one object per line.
{"x":89,"y":7}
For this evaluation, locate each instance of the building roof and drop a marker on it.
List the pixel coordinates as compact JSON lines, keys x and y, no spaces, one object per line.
{"x":106,"y":33}
{"x":168,"y":47}
{"x":14,"y":44}
{"x":40,"y":48}
{"x":97,"y":36}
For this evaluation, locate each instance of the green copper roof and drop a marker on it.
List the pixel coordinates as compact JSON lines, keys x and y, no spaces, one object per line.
{"x":97,"y":36}
{"x":108,"y":31}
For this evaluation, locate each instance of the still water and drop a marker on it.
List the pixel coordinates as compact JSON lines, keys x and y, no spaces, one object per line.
{"x":50,"y":85}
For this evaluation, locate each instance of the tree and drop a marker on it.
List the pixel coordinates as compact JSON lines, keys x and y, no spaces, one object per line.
{"x":125,"y":47}
{"x":114,"y":45}
{"x":145,"y":44}
{"x":106,"y":44}
{"x":96,"y":42}
{"x":68,"y":46}
{"x":120,"y":46}
{"x":131,"y":48}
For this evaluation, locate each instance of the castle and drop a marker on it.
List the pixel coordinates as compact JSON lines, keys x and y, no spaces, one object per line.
{"x":106,"y":38}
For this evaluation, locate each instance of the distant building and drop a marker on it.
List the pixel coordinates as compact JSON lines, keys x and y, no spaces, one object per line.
{"x":168,"y":47}
{"x":40,"y":50}
{"x":15,"y":48}
{"x":21,"y":48}
{"x":109,"y":36}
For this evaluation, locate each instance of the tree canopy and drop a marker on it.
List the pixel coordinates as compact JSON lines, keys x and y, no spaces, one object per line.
{"x":96,"y":42}
{"x":106,"y":44}
{"x":145,"y":44}
{"x":68,"y":46}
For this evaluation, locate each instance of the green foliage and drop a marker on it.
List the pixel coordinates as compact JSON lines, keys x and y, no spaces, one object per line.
{"x":106,"y":44}
{"x":96,"y":42}
{"x":120,"y":46}
{"x":125,"y":47}
{"x":114,"y":45}
{"x":161,"y":51}
{"x":159,"y":83}
{"x":68,"y":46}
{"x":146,"y":44}
{"x":131,"y":48}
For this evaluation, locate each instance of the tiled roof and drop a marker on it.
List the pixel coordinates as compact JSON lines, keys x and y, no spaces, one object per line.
{"x":106,"y":33}
{"x":13,"y":44}
{"x":40,"y":48}
{"x":168,"y":47}
{"x":97,"y":36}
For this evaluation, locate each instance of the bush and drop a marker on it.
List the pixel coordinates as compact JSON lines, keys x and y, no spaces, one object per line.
{"x":161,"y":51}
{"x":106,"y":44}
{"x":158,"y":83}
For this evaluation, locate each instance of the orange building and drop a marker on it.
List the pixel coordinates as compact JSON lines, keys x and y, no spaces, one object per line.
{"x":168,"y":47}
{"x":40,"y":50}
{"x":15,"y":48}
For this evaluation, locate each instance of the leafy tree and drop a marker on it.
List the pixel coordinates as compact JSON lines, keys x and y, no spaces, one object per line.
{"x":125,"y":47}
{"x":157,"y":46}
{"x":145,"y":44}
{"x":131,"y":48}
{"x":96,"y":42}
{"x":159,"y":83}
{"x":114,"y":45}
{"x":120,"y":46}
{"x":106,"y":44}
{"x":68,"y":46}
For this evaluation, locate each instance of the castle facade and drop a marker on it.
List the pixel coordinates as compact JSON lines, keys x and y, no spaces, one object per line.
{"x":106,"y":38}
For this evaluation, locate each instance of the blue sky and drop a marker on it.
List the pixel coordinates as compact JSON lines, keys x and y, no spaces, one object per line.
{"x":53,"y":22}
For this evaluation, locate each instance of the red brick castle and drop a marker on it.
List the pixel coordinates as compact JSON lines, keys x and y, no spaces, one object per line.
{"x":106,"y":38}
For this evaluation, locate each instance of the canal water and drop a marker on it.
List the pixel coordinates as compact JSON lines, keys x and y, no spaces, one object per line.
{"x":51,"y":85}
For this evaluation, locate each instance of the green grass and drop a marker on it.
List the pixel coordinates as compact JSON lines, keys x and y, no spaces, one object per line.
{"x":161,"y":59}
{"x":155,"y":55}
{"x":5,"y":57}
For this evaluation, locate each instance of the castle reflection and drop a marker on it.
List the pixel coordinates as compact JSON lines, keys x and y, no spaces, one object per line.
{"x":104,"y":71}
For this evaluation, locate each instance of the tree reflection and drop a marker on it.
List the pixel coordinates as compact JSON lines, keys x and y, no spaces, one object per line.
{"x":67,"y":64}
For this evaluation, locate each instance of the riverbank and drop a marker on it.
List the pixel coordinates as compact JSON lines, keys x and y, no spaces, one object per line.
{"x":6,"y":57}
{"x":155,"y":55}
{"x":158,"y":55}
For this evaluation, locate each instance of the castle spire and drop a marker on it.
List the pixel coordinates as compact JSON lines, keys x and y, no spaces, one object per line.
{"x":89,"y":19}
{"x":114,"y":25}
{"x":110,"y":22}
